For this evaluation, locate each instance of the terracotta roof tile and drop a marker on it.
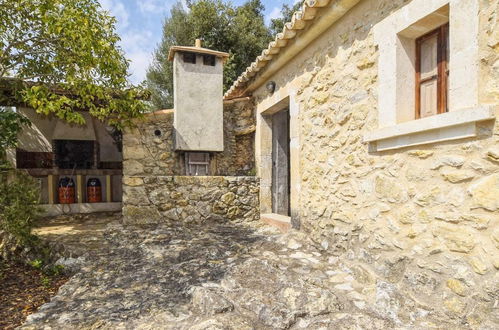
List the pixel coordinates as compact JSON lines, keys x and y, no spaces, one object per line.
{"x":299,"y":21}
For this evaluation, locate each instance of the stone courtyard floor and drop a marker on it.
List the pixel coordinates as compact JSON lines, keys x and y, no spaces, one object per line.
{"x":215,"y":276}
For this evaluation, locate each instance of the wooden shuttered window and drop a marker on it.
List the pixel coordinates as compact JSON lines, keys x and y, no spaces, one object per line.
{"x":432,"y":72}
{"x":197,"y":163}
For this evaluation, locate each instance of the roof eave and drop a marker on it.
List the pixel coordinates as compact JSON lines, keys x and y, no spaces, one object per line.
{"x":197,"y":50}
{"x":305,"y":26}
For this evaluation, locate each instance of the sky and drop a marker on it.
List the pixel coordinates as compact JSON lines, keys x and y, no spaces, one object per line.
{"x":139,"y":24}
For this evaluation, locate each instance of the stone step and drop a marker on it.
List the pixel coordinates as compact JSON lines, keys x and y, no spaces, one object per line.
{"x":281,"y":222}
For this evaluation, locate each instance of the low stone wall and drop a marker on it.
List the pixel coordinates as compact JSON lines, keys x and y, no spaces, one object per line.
{"x":155,"y":200}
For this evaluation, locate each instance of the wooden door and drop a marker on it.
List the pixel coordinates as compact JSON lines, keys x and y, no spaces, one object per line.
{"x":280,"y":163}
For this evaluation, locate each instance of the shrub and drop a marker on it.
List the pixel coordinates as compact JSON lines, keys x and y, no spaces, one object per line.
{"x":19,"y":196}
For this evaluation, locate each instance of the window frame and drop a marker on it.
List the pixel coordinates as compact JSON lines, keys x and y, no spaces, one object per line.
{"x":209,"y":60}
{"x":442,"y":33}
{"x":191,"y":164}
{"x":189,"y":58}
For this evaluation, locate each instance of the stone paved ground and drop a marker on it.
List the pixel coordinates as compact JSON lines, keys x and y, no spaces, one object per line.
{"x":217,"y":276}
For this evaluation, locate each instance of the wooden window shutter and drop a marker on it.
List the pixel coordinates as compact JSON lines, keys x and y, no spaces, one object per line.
{"x":431,"y":73}
{"x":197,"y":163}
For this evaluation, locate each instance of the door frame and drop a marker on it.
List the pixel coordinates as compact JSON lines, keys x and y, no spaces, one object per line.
{"x":263,"y":152}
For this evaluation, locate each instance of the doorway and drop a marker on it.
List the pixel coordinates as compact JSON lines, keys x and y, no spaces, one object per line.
{"x":281,"y":187}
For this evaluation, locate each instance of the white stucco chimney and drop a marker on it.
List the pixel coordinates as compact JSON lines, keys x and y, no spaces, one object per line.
{"x":198,"y":98}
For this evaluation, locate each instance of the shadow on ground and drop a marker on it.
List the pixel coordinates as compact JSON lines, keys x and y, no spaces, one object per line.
{"x":127,"y":272}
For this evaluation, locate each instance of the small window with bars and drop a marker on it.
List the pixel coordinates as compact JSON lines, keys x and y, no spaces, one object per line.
{"x":189,"y":58}
{"x":432,"y":56}
{"x":197,"y":163}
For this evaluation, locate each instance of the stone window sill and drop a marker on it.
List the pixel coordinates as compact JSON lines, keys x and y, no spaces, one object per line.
{"x":444,"y":127}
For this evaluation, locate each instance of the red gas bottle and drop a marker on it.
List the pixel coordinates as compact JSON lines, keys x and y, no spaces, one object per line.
{"x":66,"y":191}
{"x":94,"y":191}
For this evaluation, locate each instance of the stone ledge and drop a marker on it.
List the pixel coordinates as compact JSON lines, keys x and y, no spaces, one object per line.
{"x":281,"y":222}
{"x":443,"y":127}
{"x":60,"y":209}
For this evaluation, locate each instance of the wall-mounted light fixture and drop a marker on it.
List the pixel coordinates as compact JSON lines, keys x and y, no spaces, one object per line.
{"x":271,"y":87}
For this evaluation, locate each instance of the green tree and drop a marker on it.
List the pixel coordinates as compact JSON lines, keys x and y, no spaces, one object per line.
{"x":287,"y":11}
{"x":18,"y":191}
{"x":59,"y":56}
{"x":239,"y":31}
{"x":11,"y":123}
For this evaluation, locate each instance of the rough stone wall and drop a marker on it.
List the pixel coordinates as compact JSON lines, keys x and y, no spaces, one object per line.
{"x":422,"y":221}
{"x":146,"y":153}
{"x":489,"y":52}
{"x":154,"y":189}
{"x":189,"y":199}
{"x":239,"y":127}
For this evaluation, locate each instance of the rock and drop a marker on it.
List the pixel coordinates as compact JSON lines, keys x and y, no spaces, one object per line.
{"x":448,"y":217}
{"x":233,"y":212}
{"x":456,"y":286}
{"x":134,"y":152}
{"x":449,"y":160}
{"x":388,"y":301}
{"x":135,"y":196}
{"x":140,"y":214}
{"x":458,"y":176}
{"x":478,"y":265}
{"x":228,"y":198}
{"x":457,"y":239}
{"x":423,"y":154}
{"x":485,"y":193}
{"x":208,"y":302}
{"x":495,"y":237}
{"x":493,"y":154}
{"x":428,"y":197}
{"x":321,"y":97}
{"x":219,"y":208}
{"x":133,"y":167}
{"x":389,"y":189}
{"x":133,"y":181}
{"x":70,"y":265}
{"x":293,"y":244}
{"x":477,"y":221}
{"x":407,"y":216}
{"x":455,"y":305}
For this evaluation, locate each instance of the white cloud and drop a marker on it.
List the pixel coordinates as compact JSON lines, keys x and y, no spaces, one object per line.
{"x":275,"y":13}
{"x":140,"y":61}
{"x":157,"y":6}
{"x":149,"y":6}
{"x":118,"y":10}
{"x":138,"y":46}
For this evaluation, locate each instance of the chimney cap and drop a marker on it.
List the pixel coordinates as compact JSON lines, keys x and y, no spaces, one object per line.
{"x":197,"y":50}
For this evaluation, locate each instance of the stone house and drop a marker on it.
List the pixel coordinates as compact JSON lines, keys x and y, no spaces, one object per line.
{"x":375,"y":134}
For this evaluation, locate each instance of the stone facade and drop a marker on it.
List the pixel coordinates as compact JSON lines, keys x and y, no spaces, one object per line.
{"x":148,"y":149}
{"x":423,"y":220}
{"x":190,"y":199}
{"x":155,"y":190}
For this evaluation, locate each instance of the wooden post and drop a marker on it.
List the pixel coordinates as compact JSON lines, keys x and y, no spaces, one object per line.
{"x":109,"y":191}
{"x":51,"y":189}
{"x":80,"y":182}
